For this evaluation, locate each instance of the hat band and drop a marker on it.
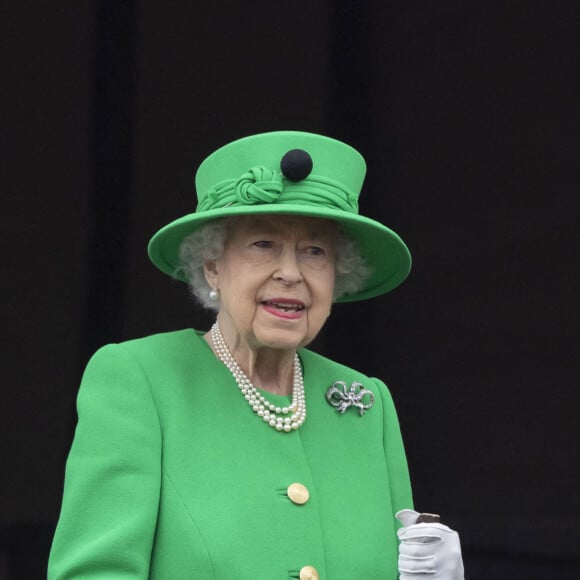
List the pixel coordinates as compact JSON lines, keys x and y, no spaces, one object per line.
{"x":260,"y":185}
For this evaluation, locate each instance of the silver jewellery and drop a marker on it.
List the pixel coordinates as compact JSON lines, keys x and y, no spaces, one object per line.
{"x":342,"y":397}
{"x":270,"y":413}
{"x":214,"y":294}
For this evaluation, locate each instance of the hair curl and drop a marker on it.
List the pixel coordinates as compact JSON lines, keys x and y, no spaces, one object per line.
{"x":209,"y":241}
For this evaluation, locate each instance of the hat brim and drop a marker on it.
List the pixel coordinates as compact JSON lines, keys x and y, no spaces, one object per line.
{"x":382,"y":249}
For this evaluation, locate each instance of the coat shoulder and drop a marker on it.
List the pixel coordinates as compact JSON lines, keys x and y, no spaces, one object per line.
{"x":328,"y":366}
{"x":164,"y":345}
{"x":171,"y":351}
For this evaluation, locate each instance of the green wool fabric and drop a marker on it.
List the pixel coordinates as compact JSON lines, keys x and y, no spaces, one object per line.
{"x":172,"y":476}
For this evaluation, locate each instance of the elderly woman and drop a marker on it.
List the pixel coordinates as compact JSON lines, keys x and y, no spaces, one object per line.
{"x":237,"y":453}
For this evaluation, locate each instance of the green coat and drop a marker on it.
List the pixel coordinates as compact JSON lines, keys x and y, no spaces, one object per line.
{"x":171,"y":476}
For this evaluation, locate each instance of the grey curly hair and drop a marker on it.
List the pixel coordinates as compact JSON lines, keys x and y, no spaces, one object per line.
{"x":208,"y":243}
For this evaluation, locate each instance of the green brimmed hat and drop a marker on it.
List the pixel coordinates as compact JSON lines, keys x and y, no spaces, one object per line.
{"x":288,"y":172}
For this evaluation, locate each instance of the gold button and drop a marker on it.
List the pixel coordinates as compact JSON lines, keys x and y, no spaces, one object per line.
{"x":309,"y":573}
{"x":298,"y":494}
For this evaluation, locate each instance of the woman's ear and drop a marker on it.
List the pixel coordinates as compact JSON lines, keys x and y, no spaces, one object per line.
{"x":211,"y":273}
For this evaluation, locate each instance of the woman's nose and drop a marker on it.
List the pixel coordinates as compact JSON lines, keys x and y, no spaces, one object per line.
{"x":288,"y":268}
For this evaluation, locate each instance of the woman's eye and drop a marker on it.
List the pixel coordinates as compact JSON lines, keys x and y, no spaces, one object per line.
{"x":315,"y":251}
{"x":263,"y":244}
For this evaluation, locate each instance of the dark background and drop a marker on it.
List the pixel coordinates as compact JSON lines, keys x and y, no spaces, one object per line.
{"x":467,"y":113}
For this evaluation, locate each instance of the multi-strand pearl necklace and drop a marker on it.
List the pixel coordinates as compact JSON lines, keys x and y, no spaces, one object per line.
{"x":271,"y":414}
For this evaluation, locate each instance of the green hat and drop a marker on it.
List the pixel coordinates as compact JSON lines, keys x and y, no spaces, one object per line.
{"x":289,"y":172}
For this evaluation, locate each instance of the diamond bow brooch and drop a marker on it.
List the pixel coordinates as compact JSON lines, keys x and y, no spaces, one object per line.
{"x":342,"y":397}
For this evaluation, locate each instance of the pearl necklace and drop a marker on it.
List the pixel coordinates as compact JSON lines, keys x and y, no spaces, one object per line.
{"x":269,"y":413}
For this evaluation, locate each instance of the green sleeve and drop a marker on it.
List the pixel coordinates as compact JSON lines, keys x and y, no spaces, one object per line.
{"x":400,"y":484}
{"x":111,"y":492}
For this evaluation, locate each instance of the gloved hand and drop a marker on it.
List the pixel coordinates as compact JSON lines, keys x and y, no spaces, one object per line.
{"x":430,"y":551}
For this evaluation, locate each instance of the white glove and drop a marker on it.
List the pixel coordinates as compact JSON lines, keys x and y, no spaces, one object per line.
{"x":428,"y":550}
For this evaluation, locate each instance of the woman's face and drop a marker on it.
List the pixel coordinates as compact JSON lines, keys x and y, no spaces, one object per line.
{"x":276,"y":280}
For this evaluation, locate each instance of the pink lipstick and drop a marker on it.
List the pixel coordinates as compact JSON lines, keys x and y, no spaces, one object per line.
{"x":287,"y":308}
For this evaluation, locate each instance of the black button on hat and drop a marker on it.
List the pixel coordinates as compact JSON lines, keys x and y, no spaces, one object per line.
{"x":296,"y":164}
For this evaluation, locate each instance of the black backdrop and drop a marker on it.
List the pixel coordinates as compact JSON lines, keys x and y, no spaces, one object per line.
{"x":467,"y":114}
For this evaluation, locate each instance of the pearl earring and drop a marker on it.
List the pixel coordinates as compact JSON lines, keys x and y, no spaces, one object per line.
{"x":214,"y":295}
